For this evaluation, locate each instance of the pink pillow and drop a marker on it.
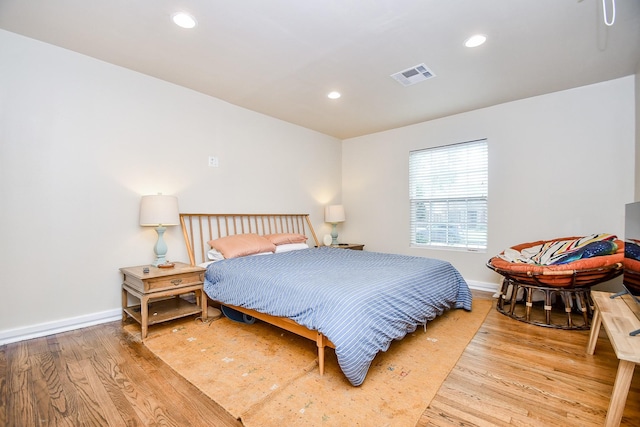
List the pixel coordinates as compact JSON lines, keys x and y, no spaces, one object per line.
{"x":242,"y":245}
{"x":286,"y":238}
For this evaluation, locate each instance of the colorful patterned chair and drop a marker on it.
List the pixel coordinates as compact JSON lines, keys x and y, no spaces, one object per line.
{"x":568,"y":282}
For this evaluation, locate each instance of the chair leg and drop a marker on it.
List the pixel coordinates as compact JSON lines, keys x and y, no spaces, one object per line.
{"x":567,"y":307}
{"x":583,"y":305}
{"x":514,"y":294}
{"x":529,"y":304}
{"x":514,"y":297}
{"x":547,"y":306}
{"x":503,"y":294}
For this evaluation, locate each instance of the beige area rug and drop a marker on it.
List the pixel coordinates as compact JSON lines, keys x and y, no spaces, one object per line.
{"x":269,"y":377}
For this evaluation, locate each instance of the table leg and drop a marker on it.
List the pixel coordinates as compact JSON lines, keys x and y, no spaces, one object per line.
{"x":596,"y":321}
{"x":620,"y":392}
{"x":205,"y":307}
{"x":125,"y":302}
{"x":144,"y":312}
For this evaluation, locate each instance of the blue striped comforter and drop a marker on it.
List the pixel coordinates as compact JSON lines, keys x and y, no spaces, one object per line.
{"x":359,"y":300}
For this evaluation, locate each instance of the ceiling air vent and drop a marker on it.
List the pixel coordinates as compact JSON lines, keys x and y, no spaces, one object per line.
{"x":413,"y":75}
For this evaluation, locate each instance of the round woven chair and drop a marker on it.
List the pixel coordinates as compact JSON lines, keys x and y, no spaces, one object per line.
{"x":632,"y":266}
{"x":563,"y":286}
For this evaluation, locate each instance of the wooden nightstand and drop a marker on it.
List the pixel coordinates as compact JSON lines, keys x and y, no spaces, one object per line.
{"x":154,"y":288}
{"x":353,"y":246}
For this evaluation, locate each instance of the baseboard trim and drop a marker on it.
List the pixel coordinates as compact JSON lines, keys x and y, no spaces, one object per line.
{"x":483,"y":286}
{"x":58,"y":326}
{"x":72,"y":323}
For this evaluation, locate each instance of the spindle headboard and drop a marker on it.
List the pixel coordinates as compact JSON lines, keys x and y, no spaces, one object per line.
{"x":198,"y":229}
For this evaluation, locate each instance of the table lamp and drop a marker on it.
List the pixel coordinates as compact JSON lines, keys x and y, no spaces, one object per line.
{"x":334,"y":214}
{"x":159,"y":211}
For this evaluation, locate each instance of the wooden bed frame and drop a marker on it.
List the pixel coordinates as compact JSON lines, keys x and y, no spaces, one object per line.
{"x":198,"y":229}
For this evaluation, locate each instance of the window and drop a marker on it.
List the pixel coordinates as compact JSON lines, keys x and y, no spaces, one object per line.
{"x":448,"y":195}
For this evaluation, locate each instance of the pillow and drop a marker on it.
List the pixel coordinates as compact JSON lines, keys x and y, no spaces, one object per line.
{"x":285,"y":238}
{"x":598,"y":248}
{"x":631,"y":249}
{"x":553,"y":250}
{"x":214,"y":255}
{"x":291,"y":247}
{"x":241,"y":245}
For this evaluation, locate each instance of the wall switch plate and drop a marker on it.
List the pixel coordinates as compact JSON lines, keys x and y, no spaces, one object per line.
{"x":213,"y":162}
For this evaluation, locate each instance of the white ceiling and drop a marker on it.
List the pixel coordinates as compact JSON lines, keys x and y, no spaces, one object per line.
{"x":281,"y":57}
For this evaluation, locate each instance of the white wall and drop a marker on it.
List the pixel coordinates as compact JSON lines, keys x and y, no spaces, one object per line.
{"x":637,"y":156}
{"x":81,"y":140}
{"x":560,"y":165}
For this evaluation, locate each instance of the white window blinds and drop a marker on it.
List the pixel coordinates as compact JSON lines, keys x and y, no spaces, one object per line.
{"x":448,"y":189}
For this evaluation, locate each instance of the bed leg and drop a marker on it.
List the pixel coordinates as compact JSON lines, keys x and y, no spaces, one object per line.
{"x":321,"y":342}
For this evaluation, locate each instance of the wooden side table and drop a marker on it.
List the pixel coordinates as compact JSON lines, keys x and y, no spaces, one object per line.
{"x":618,"y":320}
{"x":154,"y":288}
{"x":352,"y":246}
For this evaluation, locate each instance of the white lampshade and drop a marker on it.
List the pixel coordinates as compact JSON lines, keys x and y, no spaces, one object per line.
{"x":334,"y":213}
{"x":159,"y":210}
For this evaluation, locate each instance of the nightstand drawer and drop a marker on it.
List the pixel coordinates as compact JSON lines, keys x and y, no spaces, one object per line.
{"x":156,"y":284}
{"x":160,"y":279}
{"x":184,"y":279}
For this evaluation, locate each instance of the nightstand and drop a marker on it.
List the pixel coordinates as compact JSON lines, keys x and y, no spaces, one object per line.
{"x":155,"y":289}
{"x":353,"y":246}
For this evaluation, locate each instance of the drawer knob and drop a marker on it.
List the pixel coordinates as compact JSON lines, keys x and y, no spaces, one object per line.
{"x":176,"y":282}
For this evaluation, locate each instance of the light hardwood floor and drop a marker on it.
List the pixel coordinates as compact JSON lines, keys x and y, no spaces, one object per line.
{"x":514,"y":373}
{"x":97,"y":376}
{"x":511,"y":373}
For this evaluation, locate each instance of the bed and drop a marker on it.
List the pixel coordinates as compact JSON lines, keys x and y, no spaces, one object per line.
{"x":356,"y":302}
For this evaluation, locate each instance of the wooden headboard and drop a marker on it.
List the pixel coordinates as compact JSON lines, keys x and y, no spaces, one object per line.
{"x":198,"y":229}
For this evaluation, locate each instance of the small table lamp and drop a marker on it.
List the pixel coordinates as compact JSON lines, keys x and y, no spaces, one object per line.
{"x":159,"y":211}
{"x":334,"y":214}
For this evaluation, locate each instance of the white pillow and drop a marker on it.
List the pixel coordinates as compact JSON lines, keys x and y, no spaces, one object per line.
{"x":214,"y":255}
{"x":291,"y":247}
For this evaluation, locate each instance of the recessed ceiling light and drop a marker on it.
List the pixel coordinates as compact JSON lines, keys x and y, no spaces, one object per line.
{"x":184,"y":20}
{"x":475,"y":41}
{"x":334,"y":95}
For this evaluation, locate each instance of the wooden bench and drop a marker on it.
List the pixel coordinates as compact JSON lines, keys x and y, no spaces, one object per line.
{"x":619,"y":316}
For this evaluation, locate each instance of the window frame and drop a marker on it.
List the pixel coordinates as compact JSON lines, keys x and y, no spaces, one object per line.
{"x":448,"y":209}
